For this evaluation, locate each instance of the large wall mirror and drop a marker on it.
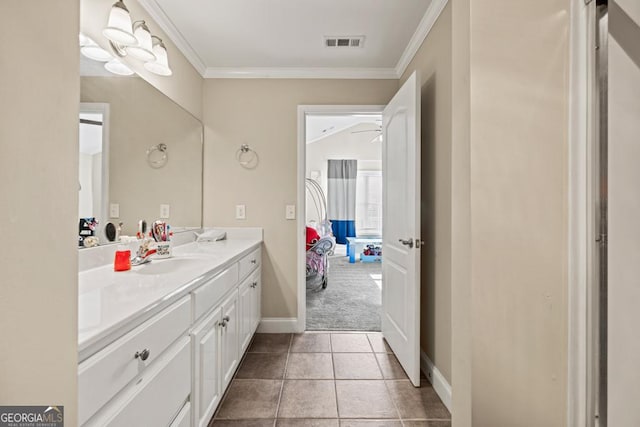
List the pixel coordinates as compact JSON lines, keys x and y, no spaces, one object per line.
{"x":139,"y":151}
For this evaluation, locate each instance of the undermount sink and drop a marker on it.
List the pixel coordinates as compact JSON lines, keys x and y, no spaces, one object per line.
{"x":169,"y":265}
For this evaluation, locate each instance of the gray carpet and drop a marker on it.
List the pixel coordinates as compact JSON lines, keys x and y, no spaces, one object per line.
{"x":351,"y":301}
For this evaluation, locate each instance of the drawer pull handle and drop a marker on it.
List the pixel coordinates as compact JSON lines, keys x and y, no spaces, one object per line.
{"x":253,"y":261}
{"x":142,"y":355}
{"x":254,"y":284}
{"x":225,"y":320}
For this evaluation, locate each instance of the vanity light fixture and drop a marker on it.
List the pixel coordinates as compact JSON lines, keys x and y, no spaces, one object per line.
{"x":136,"y":40}
{"x":161,"y":65}
{"x":119,"y":26}
{"x":117,"y":67}
{"x":91,"y":50}
{"x":142,"y":50}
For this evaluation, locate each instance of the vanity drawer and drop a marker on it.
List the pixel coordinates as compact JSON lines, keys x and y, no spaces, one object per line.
{"x":183,"y":419}
{"x":250,"y":262}
{"x":207,"y":295}
{"x":105,"y":373}
{"x":157,"y":398}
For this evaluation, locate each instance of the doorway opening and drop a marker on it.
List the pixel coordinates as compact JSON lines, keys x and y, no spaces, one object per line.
{"x":343,"y":220}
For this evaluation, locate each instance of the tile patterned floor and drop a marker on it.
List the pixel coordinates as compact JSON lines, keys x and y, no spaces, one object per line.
{"x":326,"y":380}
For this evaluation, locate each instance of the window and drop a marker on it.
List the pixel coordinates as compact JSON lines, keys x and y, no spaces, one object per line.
{"x":369,"y":203}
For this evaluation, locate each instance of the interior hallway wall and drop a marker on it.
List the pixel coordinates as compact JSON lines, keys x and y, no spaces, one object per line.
{"x":39,"y":193}
{"x":263,"y":114}
{"x":519,"y":71}
{"x":433,"y":61}
{"x":624,"y":211}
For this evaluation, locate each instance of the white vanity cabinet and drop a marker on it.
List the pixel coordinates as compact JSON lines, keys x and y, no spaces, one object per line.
{"x":249,"y":296}
{"x":229,"y":338}
{"x":156,"y":398}
{"x":130,"y":358}
{"x":206,"y":386}
{"x":172,"y":369}
{"x":220,"y":339}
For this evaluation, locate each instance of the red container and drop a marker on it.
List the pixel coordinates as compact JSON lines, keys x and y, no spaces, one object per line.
{"x":122,"y":261}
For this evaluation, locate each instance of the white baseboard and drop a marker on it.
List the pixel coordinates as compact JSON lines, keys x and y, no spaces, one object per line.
{"x":437,"y":380}
{"x":278,"y":325}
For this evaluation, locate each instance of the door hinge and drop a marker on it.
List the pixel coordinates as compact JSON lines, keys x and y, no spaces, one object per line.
{"x":419,"y":243}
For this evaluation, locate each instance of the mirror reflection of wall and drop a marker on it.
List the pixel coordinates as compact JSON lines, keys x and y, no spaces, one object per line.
{"x":139,"y":118}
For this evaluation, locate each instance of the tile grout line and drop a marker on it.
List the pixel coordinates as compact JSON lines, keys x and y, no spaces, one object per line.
{"x":386,"y":381}
{"x":386,"y":386}
{"x":284,"y":375}
{"x":335,"y":383}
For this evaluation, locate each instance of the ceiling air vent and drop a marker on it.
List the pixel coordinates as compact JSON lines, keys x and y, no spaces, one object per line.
{"x":343,"y":41}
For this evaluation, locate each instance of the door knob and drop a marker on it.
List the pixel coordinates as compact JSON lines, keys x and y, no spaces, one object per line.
{"x":408,"y":242}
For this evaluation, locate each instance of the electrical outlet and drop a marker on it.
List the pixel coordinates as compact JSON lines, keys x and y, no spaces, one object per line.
{"x":241,"y":212}
{"x":165,"y":211}
{"x":114,"y":210}
{"x":290,"y":212}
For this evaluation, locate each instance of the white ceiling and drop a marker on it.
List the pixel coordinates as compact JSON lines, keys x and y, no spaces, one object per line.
{"x":285,"y":38}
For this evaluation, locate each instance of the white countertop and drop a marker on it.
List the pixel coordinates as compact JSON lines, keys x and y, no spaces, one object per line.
{"x":112,"y":303}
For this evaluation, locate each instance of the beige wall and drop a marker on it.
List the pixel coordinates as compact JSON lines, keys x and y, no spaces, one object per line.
{"x":140,"y":117}
{"x":519,"y":125}
{"x":624,"y":211}
{"x":184,"y":86}
{"x":461,"y":356}
{"x":263,"y":114}
{"x":39,"y":193}
{"x":433,"y":61}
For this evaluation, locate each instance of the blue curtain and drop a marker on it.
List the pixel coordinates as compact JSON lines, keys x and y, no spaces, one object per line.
{"x":341,"y":198}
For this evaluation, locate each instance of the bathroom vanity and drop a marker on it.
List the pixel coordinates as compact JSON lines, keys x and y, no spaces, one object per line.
{"x":159,"y":344}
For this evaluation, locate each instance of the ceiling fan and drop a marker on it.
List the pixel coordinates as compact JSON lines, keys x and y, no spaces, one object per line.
{"x":377,"y":131}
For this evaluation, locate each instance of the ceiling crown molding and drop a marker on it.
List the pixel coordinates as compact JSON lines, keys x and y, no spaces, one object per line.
{"x":157,"y":13}
{"x":300,"y":73}
{"x":424,"y":28}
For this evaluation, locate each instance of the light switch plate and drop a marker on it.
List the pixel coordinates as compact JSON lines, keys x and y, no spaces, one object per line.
{"x":290,"y":212}
{"x":114,"y":210}
{"x":165,"y":211}
{"x":241,"y":212}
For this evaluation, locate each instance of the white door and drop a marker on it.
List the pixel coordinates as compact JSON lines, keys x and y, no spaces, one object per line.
{"x":401,"y":226}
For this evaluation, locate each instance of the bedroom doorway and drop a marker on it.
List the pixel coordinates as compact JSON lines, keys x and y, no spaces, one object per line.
{"x":343,"y":218}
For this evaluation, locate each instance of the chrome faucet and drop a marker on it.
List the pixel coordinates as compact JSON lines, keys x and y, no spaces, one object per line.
{"x":143,"y":253}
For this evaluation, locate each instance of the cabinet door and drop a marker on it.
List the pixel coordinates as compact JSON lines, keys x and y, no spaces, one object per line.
{"x":229,"y":338}
{"x":246,"y":305}
{"x":206,"y":385}
{"x":256,"y":300}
